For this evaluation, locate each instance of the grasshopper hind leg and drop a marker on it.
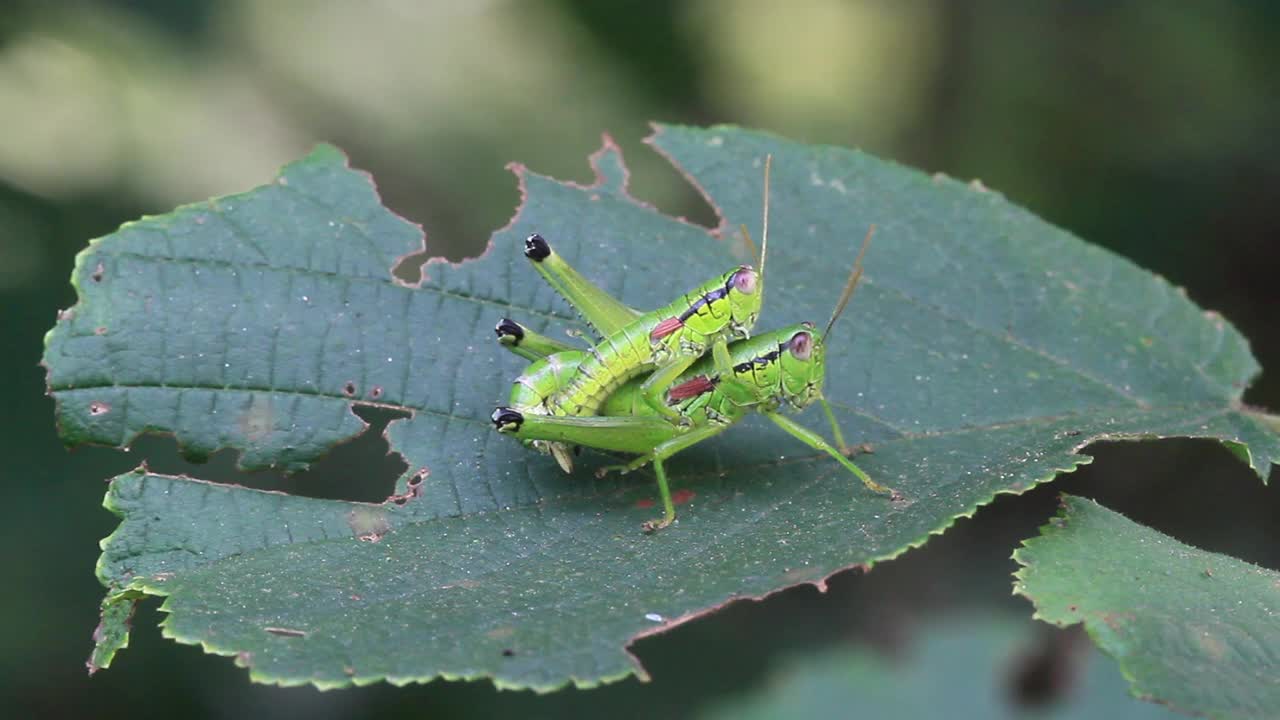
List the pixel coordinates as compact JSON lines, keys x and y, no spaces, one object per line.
{"x":601,"y":310}
{"x":526,"y":343}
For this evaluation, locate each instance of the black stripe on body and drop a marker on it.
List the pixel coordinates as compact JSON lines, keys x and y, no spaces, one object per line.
{"x":761,"y":360}
{"x":705,"y":300}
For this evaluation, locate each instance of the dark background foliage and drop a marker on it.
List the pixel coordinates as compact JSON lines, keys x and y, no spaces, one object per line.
{"x":1149,"y":128}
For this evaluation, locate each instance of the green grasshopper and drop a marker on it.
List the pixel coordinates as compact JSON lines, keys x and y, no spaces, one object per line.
{"x":664,"y":342}
{"x":783,"y":369}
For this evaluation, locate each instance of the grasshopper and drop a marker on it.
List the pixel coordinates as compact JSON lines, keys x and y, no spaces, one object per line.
{"x":663,"y":342}
{"x":783,"y":369}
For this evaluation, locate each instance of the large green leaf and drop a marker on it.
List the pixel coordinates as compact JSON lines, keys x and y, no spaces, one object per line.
{"x":962,"y":667}
{"x":984,"y":349}
{"x":1195,"y":630}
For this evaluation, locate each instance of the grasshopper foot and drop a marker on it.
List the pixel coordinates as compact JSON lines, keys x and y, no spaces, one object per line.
{"x":649,"y":527}
{"x":509,"y":332}
{"x":859,"y":449}
{"x":681,"y":422}
{"x":621,"y":469}
{"x":507,"y":420}
{"x":536,"y":248}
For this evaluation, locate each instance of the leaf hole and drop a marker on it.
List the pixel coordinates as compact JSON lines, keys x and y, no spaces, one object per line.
{"x":408,"y":269}
{"x":349,"y":389}
{"x":97,"y":273}
{"x":375,"y":392}
{"x":362,"y":469}
{"x":97,"y":407}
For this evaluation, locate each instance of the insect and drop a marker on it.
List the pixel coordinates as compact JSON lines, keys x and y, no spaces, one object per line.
{"x":664,"y":342}
{"x":775,"y":371}
{"x":667,"y":340}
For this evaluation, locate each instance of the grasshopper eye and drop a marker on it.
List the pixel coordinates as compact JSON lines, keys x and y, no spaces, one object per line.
{"x":801,"y":345}
{"x":744,"y":281}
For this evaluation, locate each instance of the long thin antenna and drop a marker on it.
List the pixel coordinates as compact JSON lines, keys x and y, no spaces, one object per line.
{"x":764,"y":224}
{"x":851,"y":284}
{"x":747,"y":242}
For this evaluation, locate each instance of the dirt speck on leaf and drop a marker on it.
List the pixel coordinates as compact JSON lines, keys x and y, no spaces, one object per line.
{"x":257,"y":422}
{"x":500,"y":633}
{"x":368,"y":524}
{"x":1212,"y":644}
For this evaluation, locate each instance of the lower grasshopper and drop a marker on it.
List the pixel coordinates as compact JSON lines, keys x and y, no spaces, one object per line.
{"x":783,"y":369}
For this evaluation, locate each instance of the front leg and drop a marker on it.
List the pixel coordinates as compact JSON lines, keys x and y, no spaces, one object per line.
{"x":654,"y":389}
{"x":815,"y":441}
{"x":739,"y":391}
{"x":835,"y":426}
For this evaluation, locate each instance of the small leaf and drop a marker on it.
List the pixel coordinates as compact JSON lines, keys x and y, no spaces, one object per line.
{"x":984,"y":349}
{"x":1191,"y":629}
{"x":961,"y":668}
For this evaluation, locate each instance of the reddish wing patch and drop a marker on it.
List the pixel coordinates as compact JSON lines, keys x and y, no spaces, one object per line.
{"x":665,"y":328}
{"x":690,"y":388}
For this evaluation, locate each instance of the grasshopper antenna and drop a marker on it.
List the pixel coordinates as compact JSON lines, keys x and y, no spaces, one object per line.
{"x":764,"y":224}
{"x":852,"y":283}
{"x":748,"y":245}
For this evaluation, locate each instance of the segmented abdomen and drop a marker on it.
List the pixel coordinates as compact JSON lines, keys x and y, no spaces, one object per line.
{"x":629,"y":353}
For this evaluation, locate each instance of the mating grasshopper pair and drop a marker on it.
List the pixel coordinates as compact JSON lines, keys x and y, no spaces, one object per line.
{"x":705,"y":371}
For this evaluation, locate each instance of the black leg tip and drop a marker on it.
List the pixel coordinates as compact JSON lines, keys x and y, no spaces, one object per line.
{"x":509,"y":332}
{"x":507,"y":420}
{"x":536,"y":248}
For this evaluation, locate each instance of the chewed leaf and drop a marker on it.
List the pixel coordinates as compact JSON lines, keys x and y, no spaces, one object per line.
{"x":1194,"y":630}
{"x":983,"y":350}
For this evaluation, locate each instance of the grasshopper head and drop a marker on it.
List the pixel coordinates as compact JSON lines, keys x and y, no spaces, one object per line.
{"x":803,"y":370}
{"x":742,"y":290}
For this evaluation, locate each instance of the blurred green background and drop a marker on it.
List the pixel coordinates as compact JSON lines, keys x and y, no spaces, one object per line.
{"x":1149,"y":128}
